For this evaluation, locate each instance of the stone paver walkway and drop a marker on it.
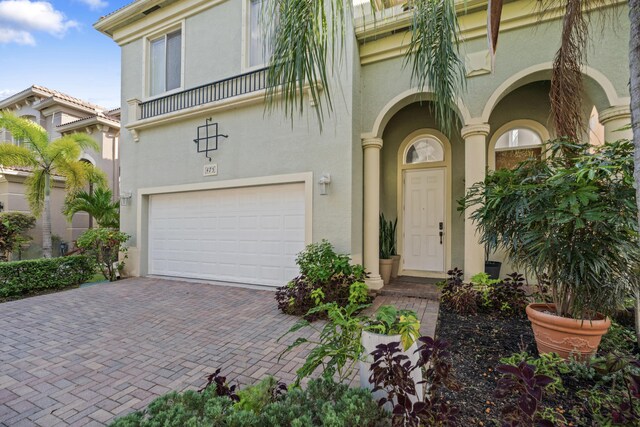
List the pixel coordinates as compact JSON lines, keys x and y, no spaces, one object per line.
{"x":85,"y":356}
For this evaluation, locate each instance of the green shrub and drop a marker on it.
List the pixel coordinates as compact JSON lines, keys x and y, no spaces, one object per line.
{"x":103,"y":246}
{"x":323,"y":403}
{"x":325,"y":277}
{"x":13,"y":229}
{"x":254,"y":398}
{"x":23,"y":277}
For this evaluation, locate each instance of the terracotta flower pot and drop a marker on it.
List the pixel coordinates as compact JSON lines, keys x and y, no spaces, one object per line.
{"x":563,"y":335}
{"x":385,"y":270}
{"x":396,"y":266}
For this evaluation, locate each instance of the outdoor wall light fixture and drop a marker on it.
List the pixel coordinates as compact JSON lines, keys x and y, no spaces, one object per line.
{"x":125,"y":198}
{"x":325,"y":180}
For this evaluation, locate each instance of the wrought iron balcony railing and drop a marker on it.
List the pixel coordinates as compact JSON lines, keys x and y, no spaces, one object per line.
{"x":234,"y":86}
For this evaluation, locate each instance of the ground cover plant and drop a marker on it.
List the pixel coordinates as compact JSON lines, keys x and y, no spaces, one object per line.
{"x":504,"y":297}
{"x":495,"y":360}
{"x":325,"y":277}
{"x":268,"y":403}
{"x":22,"y":278}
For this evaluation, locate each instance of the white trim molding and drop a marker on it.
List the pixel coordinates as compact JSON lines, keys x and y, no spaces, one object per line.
{"x":143,"y":194}
{"x":402,"y":167}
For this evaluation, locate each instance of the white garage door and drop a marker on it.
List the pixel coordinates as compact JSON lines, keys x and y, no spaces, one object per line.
{"x":246,"y":235}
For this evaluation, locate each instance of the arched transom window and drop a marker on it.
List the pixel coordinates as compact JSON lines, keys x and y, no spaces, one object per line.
{"x":424,"y":150}
{"x":515,"y":146}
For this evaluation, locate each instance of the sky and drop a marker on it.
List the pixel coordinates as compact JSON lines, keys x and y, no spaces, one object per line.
{"x":53,"y":44}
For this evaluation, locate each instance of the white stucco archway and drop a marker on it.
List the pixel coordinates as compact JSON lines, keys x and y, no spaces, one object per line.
{"x":534,"y":73}
{"x":402,"y":100}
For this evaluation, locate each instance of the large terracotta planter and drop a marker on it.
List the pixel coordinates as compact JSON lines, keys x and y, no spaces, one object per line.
{"x":370,"y":341}
{"x":385,"y":270}
{"x":396,"y":266}
{"x":563,"y":335}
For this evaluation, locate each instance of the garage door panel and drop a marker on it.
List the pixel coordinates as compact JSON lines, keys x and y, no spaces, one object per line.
{"x":249,"y":235}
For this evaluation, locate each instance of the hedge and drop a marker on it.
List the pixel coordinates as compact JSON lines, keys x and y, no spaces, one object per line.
{"x":23,"y":277}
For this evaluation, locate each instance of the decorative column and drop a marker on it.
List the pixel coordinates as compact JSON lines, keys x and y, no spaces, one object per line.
{"x":614,"y":118}
{"x":371,"y":226}
{"x":475,"y":170}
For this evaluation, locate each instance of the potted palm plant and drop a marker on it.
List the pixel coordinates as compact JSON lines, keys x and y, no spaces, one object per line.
{"x":390,"y":325}
{"x":570,"y":220}
{"x":395,"y":258}
{"x":386,"y":249}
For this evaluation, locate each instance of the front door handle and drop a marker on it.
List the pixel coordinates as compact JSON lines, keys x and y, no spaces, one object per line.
{"x":441,"y":228}
{"x":441,"y":234}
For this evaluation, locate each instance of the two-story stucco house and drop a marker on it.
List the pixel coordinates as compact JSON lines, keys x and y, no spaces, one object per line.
{"x":60,"y":114}
{"x":241,"y":212}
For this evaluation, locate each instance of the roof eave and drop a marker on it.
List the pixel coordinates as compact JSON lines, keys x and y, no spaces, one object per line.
{"x":88,"y":121}
{"x":108,"y":24}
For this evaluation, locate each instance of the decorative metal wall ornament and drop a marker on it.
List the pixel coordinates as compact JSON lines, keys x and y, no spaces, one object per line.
{"x":207,"y":139}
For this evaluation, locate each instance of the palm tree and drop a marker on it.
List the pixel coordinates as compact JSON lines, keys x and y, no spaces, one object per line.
{"x":634,"y":89}
{"x":98,"y":204}
{"x":46,"y":158}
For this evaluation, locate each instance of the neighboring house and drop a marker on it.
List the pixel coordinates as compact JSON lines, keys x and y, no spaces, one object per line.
{"x":243,"y":216}
{"x":60,"y":114}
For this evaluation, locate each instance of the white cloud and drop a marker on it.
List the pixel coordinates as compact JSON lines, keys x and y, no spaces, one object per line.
{"x":20,"y":18}
{"x":95,"y":4}
{"x":8,"y":35}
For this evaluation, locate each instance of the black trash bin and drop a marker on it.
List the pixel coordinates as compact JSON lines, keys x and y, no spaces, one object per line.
{"x":492,"y":268}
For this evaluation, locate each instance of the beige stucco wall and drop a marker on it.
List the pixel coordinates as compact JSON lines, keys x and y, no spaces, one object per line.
{"x":13,"y":198}
{"x":524,"y":52}
{"x":12,"y":190}
{"x":260,"y":144}
{"x":519,"y":49}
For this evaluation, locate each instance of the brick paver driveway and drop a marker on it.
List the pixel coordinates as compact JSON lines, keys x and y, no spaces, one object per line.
{"x":85,"y":356}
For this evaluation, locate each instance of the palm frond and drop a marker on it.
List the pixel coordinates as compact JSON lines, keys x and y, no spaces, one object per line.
{"x":434,"y":56}
{"x":494,"y":16}
{"x":566,"y":78}
{"x":24,"y":129}
{"x":95,"y":175}
{"x":98,"y":204}
{"x":74,"y":173}
{"x":63,"y":148}
{"x":307,"y":37}
{"x":14,"y":155}
{"x":83,"y":140}
{"x":35,"y":184}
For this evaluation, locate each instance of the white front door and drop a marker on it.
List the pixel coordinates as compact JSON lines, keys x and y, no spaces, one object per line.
{"x":424,"y":224}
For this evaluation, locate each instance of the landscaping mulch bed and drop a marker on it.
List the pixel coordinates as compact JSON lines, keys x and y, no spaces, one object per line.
{"x":477,"y":343}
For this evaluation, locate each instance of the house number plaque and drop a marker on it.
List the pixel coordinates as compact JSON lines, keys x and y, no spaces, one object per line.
{"x":211,"y":170}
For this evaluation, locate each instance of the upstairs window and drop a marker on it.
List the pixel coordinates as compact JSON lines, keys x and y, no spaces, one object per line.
{"x":259,"y":52}
{"x":165,"y":65}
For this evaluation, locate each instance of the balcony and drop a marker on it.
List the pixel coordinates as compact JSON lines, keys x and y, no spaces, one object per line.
{"x":242,"y":84}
